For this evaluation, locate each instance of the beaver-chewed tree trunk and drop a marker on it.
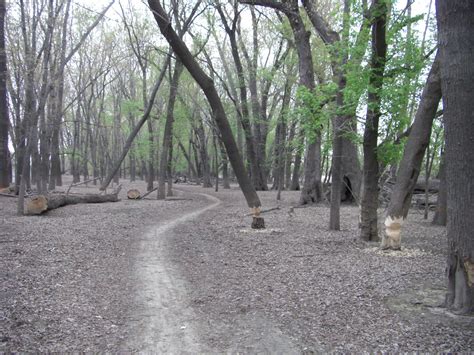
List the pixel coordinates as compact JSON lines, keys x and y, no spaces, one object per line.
{"x":410,"y":165}
{"x":42,"y":203}
{"x":456,"y":46}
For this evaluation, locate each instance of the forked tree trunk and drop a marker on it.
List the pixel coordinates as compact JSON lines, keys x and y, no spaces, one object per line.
{"x":412,"y":159}
{"x":207,"y":85}
{"x":456,"y":46}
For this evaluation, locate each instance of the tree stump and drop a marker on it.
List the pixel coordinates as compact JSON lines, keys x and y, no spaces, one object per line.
{"x":133,"y":194}
{"x":258,"y":223}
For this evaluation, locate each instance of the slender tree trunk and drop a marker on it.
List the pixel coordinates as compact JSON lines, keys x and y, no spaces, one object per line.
{"x":370,"y":177}
{"x":289,"y":154}
{"x":456,"y":45}
{"x":225,"y":166}
{"x":410,"y":164}
{"x":168,"y":133}
{"x":206,"y":168}
{"x":4,"y":120}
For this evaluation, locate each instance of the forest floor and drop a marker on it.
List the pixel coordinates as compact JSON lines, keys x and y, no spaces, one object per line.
{"x":189,"y":275}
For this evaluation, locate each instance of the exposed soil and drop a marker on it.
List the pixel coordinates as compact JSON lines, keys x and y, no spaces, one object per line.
{"x":191,"y":276}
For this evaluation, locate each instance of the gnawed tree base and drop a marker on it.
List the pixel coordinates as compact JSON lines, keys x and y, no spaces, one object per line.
{"x":391,"y":239}
{"x":257,"y":221}
{"x":42,"y":203}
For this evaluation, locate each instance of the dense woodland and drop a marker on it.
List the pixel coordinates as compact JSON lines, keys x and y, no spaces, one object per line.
{"x":340,"y":99}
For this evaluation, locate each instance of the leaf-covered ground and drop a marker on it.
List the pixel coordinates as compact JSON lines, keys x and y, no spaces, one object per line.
{"x":69,"y":279}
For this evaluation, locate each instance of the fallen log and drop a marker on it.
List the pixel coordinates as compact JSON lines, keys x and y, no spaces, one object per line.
{"x":42,"y":203}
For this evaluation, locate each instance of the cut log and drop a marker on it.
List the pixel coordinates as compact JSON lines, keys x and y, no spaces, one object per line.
{"x":133,"y":194}
{"x":42,"y":203}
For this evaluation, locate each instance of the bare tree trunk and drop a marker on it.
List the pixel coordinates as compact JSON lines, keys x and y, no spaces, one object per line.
{"x":456,"y":46}
{"x":205,"y":165}
{"x":168,"y":134}
{"x":370,"y":177}
{"x":410,"y":164}
{"x":225,"y":168}
{"x":4,"y":120}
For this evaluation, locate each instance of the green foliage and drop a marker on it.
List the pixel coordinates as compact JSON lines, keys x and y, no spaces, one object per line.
{"x":310,"y":107}
{"x":132,"y":107}
{"x":389,"y":152}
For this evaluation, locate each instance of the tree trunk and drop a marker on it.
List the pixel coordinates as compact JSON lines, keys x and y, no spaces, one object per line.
{"x":205,"y":164}
{"x":440,"y":218}
{"x":168,"y":133}
{"x":4,"y":120}
{"x":207,"y":85}
{"x":312,"y":188}
{"x":410,"y":164}
{"x":370,"y":177}
{"x":456,"y":46}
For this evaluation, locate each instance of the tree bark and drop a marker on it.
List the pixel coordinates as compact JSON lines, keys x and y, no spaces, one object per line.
{"x":4,"y":120}
{"x":456,"y":46}
{"x":370,"y":177}
{"x":440,"y":218}
{"x":168,"y":133}
{"x":410,"y":164}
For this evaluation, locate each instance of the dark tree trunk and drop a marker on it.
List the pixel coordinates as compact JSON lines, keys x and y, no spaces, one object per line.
{"x":168,"y":133}
{"x":456,"y":46}
{"x":370,"y":177}
{"x":205,"y":164}
{"x":295,"y":178}
{"x":440,"y":218}
{"x":209,"y":89}
{"x":225,"y":166}
{"x":312,"y":188}
{"x":410,"y":164}
{"x":4,"y":120}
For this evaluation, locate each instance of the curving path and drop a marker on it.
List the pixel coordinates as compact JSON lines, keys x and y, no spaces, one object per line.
{"x":163,"y":321}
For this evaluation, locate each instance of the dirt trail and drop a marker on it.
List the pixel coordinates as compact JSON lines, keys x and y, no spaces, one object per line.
{"x":164,"y":322}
